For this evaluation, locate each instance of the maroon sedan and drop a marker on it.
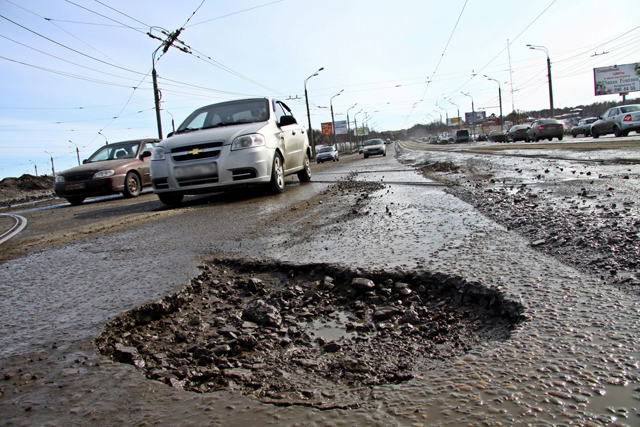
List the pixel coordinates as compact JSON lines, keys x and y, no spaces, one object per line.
{"x":122,"y":167}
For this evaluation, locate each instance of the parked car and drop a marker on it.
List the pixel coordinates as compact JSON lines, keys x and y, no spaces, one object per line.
{"x":545,"y":129}
{"x":228,"y":145}
{"x":462,"y":135}
{"x":517,"y":133}
{"x":373,"y":147}
{"x":497,"y":136}
{"x":618,"y":121}
{"x":122,"y":167}
{"x":360,"y":149}
{"x":481,"y":137}
{"x":583,"y":127}
{"x":326,"y":154}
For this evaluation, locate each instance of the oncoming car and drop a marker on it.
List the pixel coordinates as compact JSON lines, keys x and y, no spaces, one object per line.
{"x":228,"y":145}
{"x":374,"y":146}
{"x":122,"y":167}
{"x":326,"y":154}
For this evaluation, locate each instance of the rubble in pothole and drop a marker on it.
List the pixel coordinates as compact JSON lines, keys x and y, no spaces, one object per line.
{"x":315,"y":335}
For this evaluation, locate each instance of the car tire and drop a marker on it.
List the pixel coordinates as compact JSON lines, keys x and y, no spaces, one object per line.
{"x":277,"y":176}
{"x":616,"y":132}
{"x":384,"y":154}
{"x":575,"y":135}
{"x":305,"y":174}
{"x":560,"y":138}
{"x":76,"y":200}
{"x":171,"y":199}
{"x":132,"y":185}
{"x":366,"y":156}
{"x":595,"y":133}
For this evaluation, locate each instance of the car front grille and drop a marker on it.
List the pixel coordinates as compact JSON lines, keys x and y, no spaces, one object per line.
{"x":207,"y":150}
{"x":86,"y":176}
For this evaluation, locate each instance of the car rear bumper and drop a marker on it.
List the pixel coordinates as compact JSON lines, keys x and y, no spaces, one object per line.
{"x":630,"y":126}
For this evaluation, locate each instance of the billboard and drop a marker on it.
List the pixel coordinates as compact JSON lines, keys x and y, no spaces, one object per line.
{"x":362,"y":131}
{"x":327,"y":128}
{"x":617,"y":79}
{"x":453,"y":121}
{"x":341,"y":127}
{"x":481,"y":116}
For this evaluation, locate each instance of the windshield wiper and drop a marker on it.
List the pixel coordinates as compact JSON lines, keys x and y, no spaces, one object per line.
{"x":185,"y":130}
{"x":221,"y":124}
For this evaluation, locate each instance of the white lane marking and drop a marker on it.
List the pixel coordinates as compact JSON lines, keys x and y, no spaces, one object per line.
{"x":21,"y":222}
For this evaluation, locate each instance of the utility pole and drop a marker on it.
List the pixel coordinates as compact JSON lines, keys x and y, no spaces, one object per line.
{"x":333,"y":123}
{"x":77,"y":151}
{"x":36,"y":166}
{"x":166,"y":44}
{"x":349,"y":125}
{"x":53,"y":168}
{"x":473,"y":111}
{"x":306,"y":99}
{"x":545,"y":50}
{"x":500,"y":98}
{"x":355,"y":122}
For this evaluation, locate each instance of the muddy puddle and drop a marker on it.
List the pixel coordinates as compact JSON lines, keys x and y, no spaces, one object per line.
{"x":313,"y":335}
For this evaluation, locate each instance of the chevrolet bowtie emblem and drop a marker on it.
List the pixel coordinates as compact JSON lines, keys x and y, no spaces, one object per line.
{"x":195,"y":151}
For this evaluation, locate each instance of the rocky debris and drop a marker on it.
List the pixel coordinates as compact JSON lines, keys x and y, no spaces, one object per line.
{"x":25,"y":188}
{"x":384,"y":327}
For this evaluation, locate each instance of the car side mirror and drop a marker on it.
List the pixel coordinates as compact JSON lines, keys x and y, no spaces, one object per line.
{"x":170,"y":134}
{"x":85,"y":161}
{"x":287,"y":120}
{"x":144,"y":154}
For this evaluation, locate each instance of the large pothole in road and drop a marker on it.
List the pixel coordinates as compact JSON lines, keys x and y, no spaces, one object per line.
{"x":316,"y":335}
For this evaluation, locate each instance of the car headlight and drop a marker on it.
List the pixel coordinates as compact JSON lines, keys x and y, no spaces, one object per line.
{"x":59,"y":178}
{"x":158,"y":153}
{"x":248,"y":141}
{"x":103,"y":174}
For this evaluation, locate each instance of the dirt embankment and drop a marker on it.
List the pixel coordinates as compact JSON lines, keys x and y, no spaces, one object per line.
{"x":24,"y":189}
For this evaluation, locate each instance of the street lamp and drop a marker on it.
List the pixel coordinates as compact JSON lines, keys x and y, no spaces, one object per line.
{"x":173,"y":123}
{"x":446,"y":116}
{"x":459,"y":121}
{"x":333,"y":124}
{"x":544,"y":49}
{"x":100,"y":133}
{"x":77,"y":151}
{"x":53,"y":168}
{"x":36,"y":166}
{"x":355,"y":122}
{"x":500,"y":99}
{"x":349,"y":125}
{"x":473,"y":111}
{"x":306,"y":99}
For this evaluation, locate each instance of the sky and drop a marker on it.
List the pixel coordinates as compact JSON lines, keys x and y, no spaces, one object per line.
{"x":75,"y":74}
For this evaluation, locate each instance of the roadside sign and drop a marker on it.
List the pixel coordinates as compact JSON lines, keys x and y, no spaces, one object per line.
{"x":617,"y":79}
{"x":341,"y":127}
{"x":327,"y":128}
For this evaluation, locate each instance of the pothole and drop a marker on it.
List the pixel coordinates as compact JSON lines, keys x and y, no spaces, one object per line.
{"x":315,"y":335}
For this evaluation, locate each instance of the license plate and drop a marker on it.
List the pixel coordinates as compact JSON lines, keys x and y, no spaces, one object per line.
{"x":71,"y":187}
{"x":195,"y":171}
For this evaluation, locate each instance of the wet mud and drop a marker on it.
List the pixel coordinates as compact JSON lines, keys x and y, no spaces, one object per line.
{"x":311,"y":335}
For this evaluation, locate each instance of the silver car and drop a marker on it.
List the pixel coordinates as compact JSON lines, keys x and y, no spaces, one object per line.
{"x":618,"y":121}
{"x":374,"y":146}
{"x":228,"y":145}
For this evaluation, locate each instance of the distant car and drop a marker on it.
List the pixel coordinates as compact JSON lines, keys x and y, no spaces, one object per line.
{"x":618,"y":121}
{"x":545,"y":129}
{"x":360,"y":150}
{"x":462,"y":135}
{"x":326,"y":154}
{"x":374,"y":146}
{"x":230,"y":145}
{"x":387,"y":141}
{"x":122,"y":167}
{"x":518,"y":133}
{"x":583,"y":127}
{"x":481,"y":137}
{"x":497,"y":136}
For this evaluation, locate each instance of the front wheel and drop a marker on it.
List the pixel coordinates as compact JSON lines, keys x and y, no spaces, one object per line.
{"x":384,"y":154}
{"x":75,"y":200}
{"x":277,"y":176}
{"x":595,"y":133}
{"x":305,"y":174}
{"x":132,"y":185}
{"x":560,"y":138}
{"x":171,"y":199}
{"x":366,"y":156}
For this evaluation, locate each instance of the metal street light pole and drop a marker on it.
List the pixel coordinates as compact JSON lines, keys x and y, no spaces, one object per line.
{"x":77,"y":151}
{"x":459,"y":121}
{"x":473,"y":111}
{"x":36,"y":166}
{"x":173,"y":123}
{"x":349,"y":125}
{"x":333,"y":123}
{"x":356,"y":125}
{"x":101,"y":134}
{"x":306,"y":99}
{"x":544,"y":49}
{"x":500,"y":98}
{"x":53,"y":168}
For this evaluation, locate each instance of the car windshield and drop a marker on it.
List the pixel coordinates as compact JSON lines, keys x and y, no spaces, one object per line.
{"x":373,"y":142}
{"x":226,"y":114}
{"x":123,"y":150}
{"x":630,"y":108}
{"x":325,"y":150}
